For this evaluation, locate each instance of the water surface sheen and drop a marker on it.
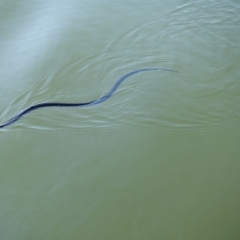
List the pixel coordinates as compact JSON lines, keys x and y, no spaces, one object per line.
{"x":159,"y":159}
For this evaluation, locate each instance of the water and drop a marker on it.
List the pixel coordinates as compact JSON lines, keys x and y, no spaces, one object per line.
{"x":159,"y":159}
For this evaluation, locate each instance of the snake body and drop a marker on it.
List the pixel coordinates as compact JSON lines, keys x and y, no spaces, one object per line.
{"x":93,"y":102}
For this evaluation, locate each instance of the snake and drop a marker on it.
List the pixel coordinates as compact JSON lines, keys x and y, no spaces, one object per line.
{"x":90,"y":103}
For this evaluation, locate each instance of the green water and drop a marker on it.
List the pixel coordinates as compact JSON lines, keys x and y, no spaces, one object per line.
{"x":160,"y":159}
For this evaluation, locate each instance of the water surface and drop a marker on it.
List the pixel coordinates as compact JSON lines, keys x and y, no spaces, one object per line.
{"x":159,"y":159}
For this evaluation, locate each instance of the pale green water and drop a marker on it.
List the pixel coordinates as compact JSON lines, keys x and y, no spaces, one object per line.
{"x":158,"y":160}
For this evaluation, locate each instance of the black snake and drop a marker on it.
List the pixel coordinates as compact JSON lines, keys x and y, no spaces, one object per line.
{"x":93,"y":102}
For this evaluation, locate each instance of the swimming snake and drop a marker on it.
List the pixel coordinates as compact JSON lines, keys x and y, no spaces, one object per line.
{"x":93,"y":102}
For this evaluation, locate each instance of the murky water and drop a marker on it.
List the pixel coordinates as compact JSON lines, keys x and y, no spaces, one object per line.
{"x":160,"y":159}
